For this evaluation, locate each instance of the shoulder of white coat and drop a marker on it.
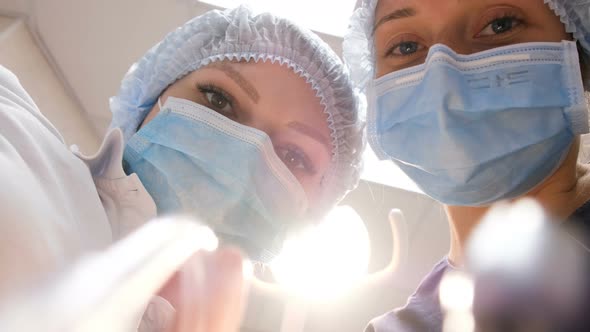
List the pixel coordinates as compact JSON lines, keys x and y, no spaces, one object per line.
{"x":124,"y":198}
{"x":15,"y":102}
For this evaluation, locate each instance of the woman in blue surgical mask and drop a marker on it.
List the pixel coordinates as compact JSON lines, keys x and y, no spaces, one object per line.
{"x":250,"y":125}
{"x":477,"y":102}
{"x":246,"y":122}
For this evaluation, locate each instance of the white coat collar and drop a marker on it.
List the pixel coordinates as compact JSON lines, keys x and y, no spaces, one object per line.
{"x":127,"y":203}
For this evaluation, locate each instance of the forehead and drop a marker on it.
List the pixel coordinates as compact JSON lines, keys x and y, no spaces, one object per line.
{"x":262,"y":71}
{"x":279,"y":84}
{"x":385,"y":7}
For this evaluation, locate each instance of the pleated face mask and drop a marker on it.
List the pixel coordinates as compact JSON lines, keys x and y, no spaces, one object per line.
{"x":474,"y":129}
{"x":192,"y":160}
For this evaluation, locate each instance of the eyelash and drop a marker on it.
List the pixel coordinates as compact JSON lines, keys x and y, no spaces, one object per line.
{"x":302,"y":156}
{"x":500,"y":16}
{"x":505,"y":15}
{"x":308,"y":166}
{"x":391,"y":51}
{"x":210,"y":88}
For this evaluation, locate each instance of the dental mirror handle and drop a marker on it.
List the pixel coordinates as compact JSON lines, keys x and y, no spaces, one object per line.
{"x":108,"y":291}
{"x":294,"y":315}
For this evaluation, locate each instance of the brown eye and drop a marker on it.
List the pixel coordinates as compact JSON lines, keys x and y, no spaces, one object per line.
{"x":292,"y":160}
{"x":218,"y":100}
{"x":295,"y":159}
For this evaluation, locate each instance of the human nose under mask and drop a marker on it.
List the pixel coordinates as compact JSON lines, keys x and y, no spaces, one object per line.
{"x":193,"y":160}
{"x":474,"y":129}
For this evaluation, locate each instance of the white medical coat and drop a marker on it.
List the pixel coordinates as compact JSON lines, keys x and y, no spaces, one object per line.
{"x":55,"y":204}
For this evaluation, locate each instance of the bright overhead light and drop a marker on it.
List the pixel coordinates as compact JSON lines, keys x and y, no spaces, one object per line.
{"x":326,"y":260}
{"x":326,"y":16}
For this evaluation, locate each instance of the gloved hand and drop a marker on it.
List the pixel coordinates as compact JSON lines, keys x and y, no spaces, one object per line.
{"x":110,"y":290}
{"x":204,"y":296}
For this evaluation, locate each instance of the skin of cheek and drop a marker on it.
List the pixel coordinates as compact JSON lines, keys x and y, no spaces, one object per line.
{"x":292,"y":101}
{"x":152,"y":113}
{"x":312,"y":184}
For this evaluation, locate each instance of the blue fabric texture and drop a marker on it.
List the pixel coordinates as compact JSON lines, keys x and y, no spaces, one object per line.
{"x":186,"y":159}
{"x":455,"y":124}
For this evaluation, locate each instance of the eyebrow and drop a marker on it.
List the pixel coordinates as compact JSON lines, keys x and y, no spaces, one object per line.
{"x":239,"y":79}
{"x":312,"y":133}
{"x":396,"y":15}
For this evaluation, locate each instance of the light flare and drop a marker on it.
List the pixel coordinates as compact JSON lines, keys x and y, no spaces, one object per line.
{"x":325,"y":261}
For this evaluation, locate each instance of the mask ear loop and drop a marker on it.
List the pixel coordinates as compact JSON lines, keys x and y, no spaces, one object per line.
{"x":141,"y":122}
{"x":160,"y":103}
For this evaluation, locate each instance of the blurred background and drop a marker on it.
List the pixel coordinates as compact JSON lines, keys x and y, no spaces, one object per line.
{"x":71,"y":55}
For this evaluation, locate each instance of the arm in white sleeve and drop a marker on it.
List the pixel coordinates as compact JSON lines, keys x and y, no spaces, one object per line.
{"x":48,"y":201}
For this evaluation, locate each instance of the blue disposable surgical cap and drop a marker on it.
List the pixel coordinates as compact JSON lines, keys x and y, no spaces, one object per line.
{"x":239,"y":35}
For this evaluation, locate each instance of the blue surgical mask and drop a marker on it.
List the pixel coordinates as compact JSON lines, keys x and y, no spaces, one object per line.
{"x":195,"y":161}
{"x":474,"y":129}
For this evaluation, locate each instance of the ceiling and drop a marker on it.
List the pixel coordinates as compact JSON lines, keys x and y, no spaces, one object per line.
{"x":93,"y":43}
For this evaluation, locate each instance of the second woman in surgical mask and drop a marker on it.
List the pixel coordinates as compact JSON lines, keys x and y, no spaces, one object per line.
{"x":477,"y":102}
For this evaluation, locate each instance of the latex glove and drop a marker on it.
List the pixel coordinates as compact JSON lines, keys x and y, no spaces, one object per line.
{"x":206,"y":295}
